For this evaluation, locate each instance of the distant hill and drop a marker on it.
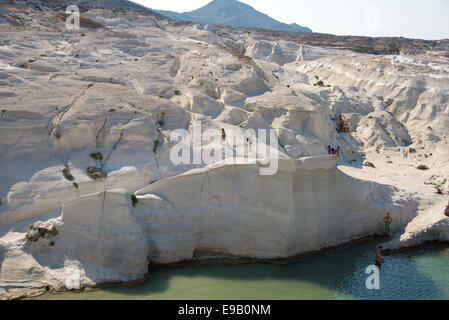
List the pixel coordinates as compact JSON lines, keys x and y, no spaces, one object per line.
{"x":234,"y":13}
{"x":107,"y":4}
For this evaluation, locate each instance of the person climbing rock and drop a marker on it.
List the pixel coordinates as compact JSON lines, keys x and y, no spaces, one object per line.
{"x":338,"y":151}
{"x":388,"y":220}
{"x":379,"y":255}
{"x":223,"y":135}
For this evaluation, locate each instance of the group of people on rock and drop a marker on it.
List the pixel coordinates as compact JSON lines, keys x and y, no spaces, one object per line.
{"x":341,"y":124}
{"x":332,"y":150}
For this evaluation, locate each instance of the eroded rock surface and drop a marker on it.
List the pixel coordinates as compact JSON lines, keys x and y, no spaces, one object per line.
{"x":128,"y":79}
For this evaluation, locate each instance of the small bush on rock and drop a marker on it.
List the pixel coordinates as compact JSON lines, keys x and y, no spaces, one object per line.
{"x":97,"y":156}
{"x":369,"y":164}
{"x":66,"y":173}
{"x":41,"y":230}
{"x":134,"y":200}
{"x":96,"y":173}
{"x":156,"y":144}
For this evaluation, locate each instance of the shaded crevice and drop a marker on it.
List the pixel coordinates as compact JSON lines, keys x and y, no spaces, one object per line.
{"x":59,"y":118}
{"x":113,"y":148}
{"x":102,"y":130}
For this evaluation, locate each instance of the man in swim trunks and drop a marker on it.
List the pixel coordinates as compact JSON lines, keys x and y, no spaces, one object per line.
{"x":388,"y":220}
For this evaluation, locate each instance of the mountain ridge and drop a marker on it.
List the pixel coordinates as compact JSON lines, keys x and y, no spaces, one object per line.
{"x":234,"y":13}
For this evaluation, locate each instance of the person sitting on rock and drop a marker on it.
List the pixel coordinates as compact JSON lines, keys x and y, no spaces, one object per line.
{"x":439,"y":191}
{"x":446,"y":211}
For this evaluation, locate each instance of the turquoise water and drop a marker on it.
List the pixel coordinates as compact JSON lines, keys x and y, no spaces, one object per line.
{"x":333,"y":274}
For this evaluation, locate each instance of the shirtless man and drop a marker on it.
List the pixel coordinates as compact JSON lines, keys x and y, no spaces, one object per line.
{"x":388,"y":220}
{"x":378,"y":256}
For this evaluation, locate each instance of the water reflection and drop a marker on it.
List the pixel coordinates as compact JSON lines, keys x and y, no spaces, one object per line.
{"x":333,"y":274}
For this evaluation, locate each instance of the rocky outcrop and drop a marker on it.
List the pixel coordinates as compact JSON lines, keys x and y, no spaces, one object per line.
{"x":95,"y":241}
{"x":101,"y":232}
{"x":308,"y":205}
{"x":430,"y":226}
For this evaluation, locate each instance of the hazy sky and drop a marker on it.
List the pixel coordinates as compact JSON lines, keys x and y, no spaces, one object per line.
{"x":424,"y":19}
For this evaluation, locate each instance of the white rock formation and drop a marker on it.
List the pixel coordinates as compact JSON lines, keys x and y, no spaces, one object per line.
{"x":431,"y":225}
{"x":121,"y":89}
{"x":230,"y":209}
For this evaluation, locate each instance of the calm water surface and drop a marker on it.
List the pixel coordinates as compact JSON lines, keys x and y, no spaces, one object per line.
{"x":333,"y":274}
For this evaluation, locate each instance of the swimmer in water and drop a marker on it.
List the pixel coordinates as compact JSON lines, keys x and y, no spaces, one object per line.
{"x":379,"y":256}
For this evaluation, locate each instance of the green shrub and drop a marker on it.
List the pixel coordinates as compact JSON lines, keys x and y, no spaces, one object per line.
{"x":369,"y":164}
{"x":422,"y":167}
{"x":75,"y":185}
{"x":134,"y":200}
{"x":96,"y":173}
{"x":412,"y":150}
{"x":97,"y":156}
{"x":24,"y":65}
{"x":161,"y":120}
{"x":66,"y":173}
{"x":156,"y":144}
{"x":177,"y":92}
{"x":321,"y":84}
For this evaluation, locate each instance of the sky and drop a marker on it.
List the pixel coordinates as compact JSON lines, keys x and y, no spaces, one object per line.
{"x":421,"y":19}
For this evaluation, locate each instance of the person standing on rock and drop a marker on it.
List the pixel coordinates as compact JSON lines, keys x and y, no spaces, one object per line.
{"x":446,"y":211}
{"x":388,"y":220}
{"x":223,"y":135}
